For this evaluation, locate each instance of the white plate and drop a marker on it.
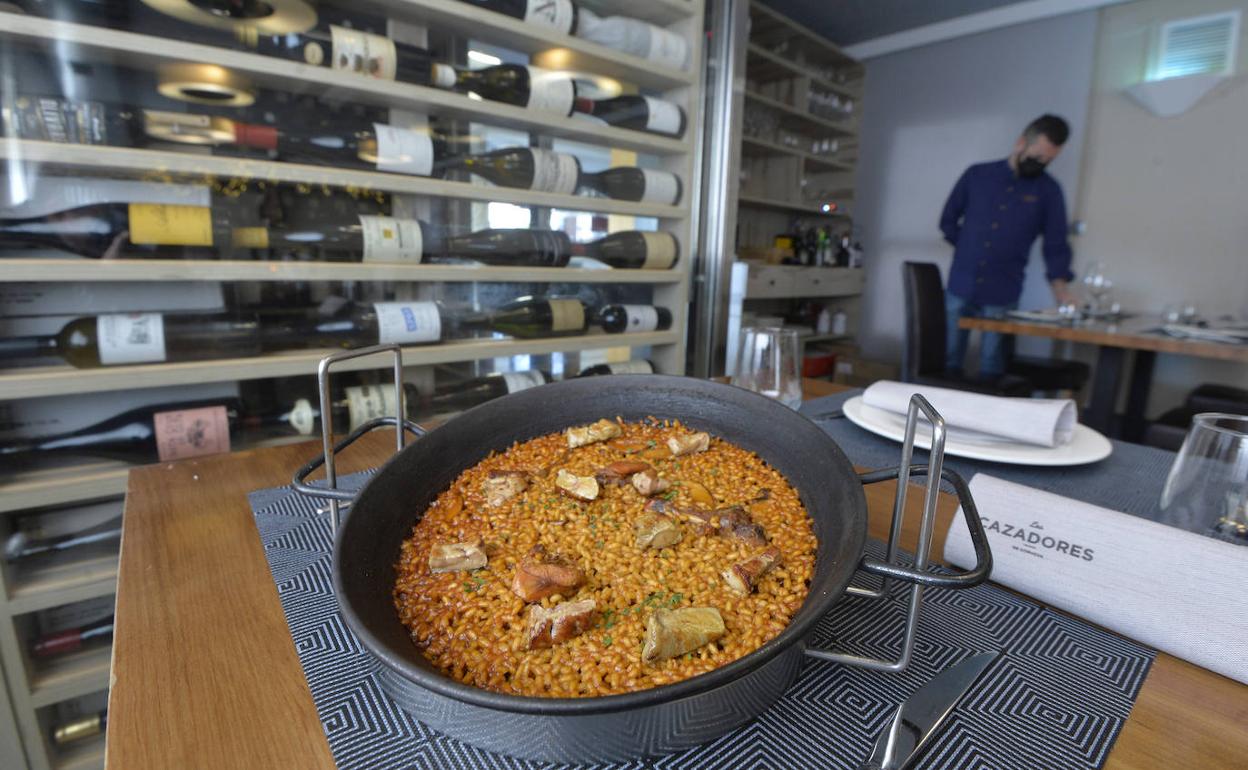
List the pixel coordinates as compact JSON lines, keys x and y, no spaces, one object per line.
{"x":1086,"y":446}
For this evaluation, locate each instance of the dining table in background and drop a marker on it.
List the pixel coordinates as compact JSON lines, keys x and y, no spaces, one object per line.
{"x":1114,"y":341}
{"x":205,"y":672}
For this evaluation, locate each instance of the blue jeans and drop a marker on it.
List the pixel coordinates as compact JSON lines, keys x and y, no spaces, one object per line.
{"x":991,"y":347}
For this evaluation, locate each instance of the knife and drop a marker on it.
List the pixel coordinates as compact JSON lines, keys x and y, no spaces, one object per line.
{"x":917,"y":720}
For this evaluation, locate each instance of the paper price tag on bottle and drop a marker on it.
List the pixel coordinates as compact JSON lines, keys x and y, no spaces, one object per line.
{"x":387,"y":239}
{"x":408,"y":322}
{"x":661,"y":250}
{"x":566,"y":315}
{"x":131,"y":338}
{"x":368,"y":402}
{"x":518,"y":381}
{"x":362,"y":53}
{"x":660,"y":187}
{"x":556,"y":14}
{"x":641,"y":318}
{"x":169,"y":225}
{"x":552,"y":92}
{"x":554,"y":172}
{"x":401,"y":151}
{"x":192,"y":432}
{"x":664,"y":117}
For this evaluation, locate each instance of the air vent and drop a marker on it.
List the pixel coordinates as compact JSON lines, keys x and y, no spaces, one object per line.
{"x":1199,"y":45}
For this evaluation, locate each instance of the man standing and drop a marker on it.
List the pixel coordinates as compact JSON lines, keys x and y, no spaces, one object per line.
{"x":992,"y":217}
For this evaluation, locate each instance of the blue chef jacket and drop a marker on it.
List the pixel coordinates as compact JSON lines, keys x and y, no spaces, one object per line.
{"x":992,"y":217}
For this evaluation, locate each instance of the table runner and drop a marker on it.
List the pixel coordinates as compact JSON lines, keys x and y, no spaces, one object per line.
{"x":1129,"y":480}
{"x":1055,"y":699}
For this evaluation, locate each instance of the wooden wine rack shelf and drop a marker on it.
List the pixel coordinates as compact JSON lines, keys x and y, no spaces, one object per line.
{"x":145,"y":52}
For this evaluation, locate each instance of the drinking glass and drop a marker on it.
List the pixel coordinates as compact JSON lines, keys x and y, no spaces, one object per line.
{"x":1207,"y":489}
{"x":770,"y":364}
{"x":1097,"y":284}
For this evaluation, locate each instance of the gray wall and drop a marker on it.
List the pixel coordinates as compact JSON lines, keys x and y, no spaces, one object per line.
{"x":930,"y":112}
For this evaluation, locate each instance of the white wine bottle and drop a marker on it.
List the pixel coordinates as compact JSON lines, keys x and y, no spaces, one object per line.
{"x":633,"y":250}
{"x":636,"y":37}
{"x":338,"y":323}
{"x":640,"y":113}
{"x":526,"y":168}
{"x":627,"y":183}
{"x":532,"y":317}
{"x":142,"y":338}
{"x":641,"y":366}
{"x":518,"y":84}
{"x":347,"y":50}
{"x":559,"y":15}
{"x":617,"y":319}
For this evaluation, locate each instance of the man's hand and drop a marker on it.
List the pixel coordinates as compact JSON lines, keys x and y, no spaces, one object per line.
{"x":1062,"y":294}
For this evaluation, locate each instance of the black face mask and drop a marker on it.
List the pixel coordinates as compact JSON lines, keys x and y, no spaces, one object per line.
{"x":1030,"y":168}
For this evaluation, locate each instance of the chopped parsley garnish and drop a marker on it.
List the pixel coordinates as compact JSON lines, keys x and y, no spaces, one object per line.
{"x":473,"y":585}
{"x":606,"y":640}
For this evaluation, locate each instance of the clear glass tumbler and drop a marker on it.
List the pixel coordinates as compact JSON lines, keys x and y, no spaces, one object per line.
{"x":771,"y":364}
{"x":1207,"y":489}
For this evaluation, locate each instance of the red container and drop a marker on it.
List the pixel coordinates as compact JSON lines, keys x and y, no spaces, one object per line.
{"x":818,"y":364}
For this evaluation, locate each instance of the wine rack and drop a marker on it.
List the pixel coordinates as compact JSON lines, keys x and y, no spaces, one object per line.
{"x":40,"y":690}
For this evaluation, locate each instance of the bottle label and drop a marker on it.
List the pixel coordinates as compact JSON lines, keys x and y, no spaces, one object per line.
{"x":566,"y":315}
{"x":368,"y":402}
{"x":132,"y":338}
{"x":554,"y":172}
{"x":663,"y":118}
{"x":362,"y":53}
{"x":192,"y":432}
{"x":302,"y":417}
{"x":444,"y":76}
{"x":401,"y":151}
{"x":518,"y":381}
{"x":387,"y":239}
{"x":641,"y":318}
{"x":556,"y":14}
{"x":660,"y":187}
{"x":169,"y":225}
{"x":667,"y":49}
{"x":405,"y":322}
{"x":551,"y":92}
{"x":660,"y":251}
{"x":250,"y":237}
{"x":631,"y":367}
{"x":59,"y":120}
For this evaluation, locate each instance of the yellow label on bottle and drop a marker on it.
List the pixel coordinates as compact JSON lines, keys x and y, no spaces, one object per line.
{"x":250,"y":237}
{"x":169,"y":225}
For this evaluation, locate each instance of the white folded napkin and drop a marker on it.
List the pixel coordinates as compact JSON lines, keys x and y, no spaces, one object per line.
{"x":1043,"y":421}
{"x":1175,"y":590}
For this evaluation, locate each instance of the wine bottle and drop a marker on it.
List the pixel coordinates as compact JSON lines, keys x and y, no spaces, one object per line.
{"x":67,"y":641}
{"x":526,"y":248}
{"x":339,"y":323}
{"x":530,"y":317}
{"x":19,"y":545}
{"x":641,"y":366}
{"x":635,"y":184}
{"x":382,"y":147}
{"x":102,"y":229}
{"x":640,"y":113}
{"x":80,"y":729}
{"x":636,"y":37}
{"x":71,"y":121}
{"x":164,"y":432}
{"x":463,"y":395}
{"x":347,"y":50}
{"x":140,"y":338}
{"x":527,"y":168}
{"x":616,"y":319}
{"x":633,"y":249}
{"x":559,"y":15}
{"x":518,"y":84}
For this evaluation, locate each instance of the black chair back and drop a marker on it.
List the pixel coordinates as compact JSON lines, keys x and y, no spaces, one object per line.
{"x":924,"y":352}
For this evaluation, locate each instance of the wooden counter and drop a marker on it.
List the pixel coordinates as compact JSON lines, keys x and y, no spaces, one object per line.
{"x":205,"y":673}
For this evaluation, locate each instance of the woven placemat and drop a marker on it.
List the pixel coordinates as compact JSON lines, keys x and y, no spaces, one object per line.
{"x":1055,"y":699}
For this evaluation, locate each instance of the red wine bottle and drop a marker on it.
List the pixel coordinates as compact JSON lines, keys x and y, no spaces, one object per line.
{"x":380,"y":147}
{"x":63,"y":642}
{"x":640,"y":113}
{"x":636,"y":184}
{"x":518,"y":84}
{"x":347,"y":50}
{"x":633,"y":250}
{"x":617,"y":319}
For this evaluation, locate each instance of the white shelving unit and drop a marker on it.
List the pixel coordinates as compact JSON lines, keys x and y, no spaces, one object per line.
{"x":38,"y":688}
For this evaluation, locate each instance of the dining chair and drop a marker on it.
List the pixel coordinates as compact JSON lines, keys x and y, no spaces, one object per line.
{"x":1169,"y":430}
{"x":923,"y":356}
{"x":1048,"y":374}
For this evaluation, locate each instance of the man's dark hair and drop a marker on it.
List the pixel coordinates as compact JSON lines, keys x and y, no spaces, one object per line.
{"x":1051,"y":127}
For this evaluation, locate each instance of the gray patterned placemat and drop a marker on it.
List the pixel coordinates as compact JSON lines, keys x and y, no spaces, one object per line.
{"x":1055,"y":699}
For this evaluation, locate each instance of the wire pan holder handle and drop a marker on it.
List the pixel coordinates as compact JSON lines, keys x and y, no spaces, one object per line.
{"x":341,"y":498}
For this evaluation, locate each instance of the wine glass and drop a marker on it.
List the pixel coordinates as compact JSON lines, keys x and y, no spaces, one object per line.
{"x":1097,"y":284}
{"x":770,"y":364}
{"x":1207,"y":489}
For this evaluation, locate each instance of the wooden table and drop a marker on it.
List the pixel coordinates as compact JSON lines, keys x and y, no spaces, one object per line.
{"x":205,"y":673}
{"x":1113,"y":342}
